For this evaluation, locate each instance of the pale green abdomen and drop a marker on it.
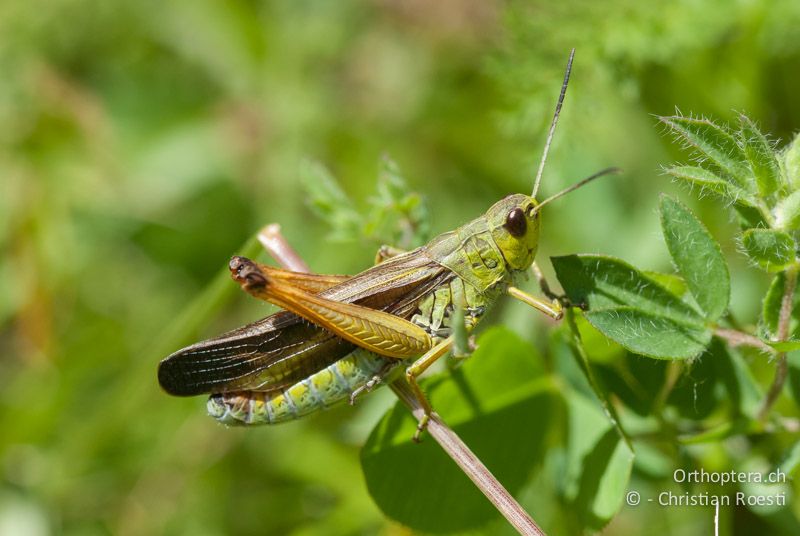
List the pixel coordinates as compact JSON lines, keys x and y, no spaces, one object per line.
{"x":337,"y":381}
{"x":322,"y":389}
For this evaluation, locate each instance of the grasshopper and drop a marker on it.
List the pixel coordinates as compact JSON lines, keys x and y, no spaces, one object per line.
{"x":341,"y":336}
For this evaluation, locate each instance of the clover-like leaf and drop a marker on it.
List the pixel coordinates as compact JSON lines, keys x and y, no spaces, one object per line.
{"x":760,"y":156}
{"x":600,"y":282}
{"x":770,"y":250}
{"x":708,"y":180}
{"x":650,"y":334}
{"x":716,"y":145}
{"x":697,"y":256}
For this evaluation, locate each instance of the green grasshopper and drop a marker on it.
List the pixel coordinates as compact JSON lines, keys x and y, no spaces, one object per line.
{"x":341,"y":336}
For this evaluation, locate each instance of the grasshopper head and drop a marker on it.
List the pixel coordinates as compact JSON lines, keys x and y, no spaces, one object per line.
{"x":514,"y":224}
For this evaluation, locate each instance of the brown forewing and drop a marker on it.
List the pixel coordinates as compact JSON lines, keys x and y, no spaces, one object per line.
{"x":282,"y":349}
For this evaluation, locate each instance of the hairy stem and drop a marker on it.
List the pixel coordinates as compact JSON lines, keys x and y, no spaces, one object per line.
{"x":739,"y":338}
{"x":784,"y":319}
{"x":271,"y":238}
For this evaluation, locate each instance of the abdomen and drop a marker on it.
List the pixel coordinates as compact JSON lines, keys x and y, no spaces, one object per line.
{"x":322,"y":389}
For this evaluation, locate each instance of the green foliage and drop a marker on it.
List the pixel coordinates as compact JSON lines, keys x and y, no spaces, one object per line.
{"x":697,"y":256}
{"x":648,"y":334}
{"x":773,"y":251}
{"x":396,"y":215}
{"x":651,"y":315}
{"x":143,"y":143}
{"x":761,"y":157}
{"x":717,"y":146}
{"x":598,"y":463}
{"x":631,"y":308}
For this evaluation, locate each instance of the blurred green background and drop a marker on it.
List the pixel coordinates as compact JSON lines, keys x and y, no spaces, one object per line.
{"x":143,"y":142}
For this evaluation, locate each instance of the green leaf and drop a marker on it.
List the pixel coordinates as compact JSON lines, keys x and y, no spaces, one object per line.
{"x":501,"y":403}
{"x":634,"y":381}
{"x":791,"y":162}
{"x":793,"y":360}
{"x":787,"y":213}
{"x":329,"y":202}
{"x":760,"y":156}
{"x":743,"y":390}
{"x":697,"y":256}
{"x":714,"y":143}
{"x":598,"y":464}
{"x":771,"y":310}
{"x":722,"y":431}
{"x":770,"y":250}
{"x":600,"y":282}
{"x":695,"y":394}
{"x":707,"y":180}
{"x":791,"y":460}
{"x":785,"y":346}
{"x":750,"y":217}
{"x":397,"y":216}
{"x":649,"y":334}
{"x":672,"y":282}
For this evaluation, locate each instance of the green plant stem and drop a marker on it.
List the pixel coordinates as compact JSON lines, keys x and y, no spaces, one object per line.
{"x":583,"y":363}
{"x":784,"y":319}
{"x":271,"y":238}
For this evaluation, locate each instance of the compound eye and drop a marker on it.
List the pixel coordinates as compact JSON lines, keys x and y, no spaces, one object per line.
{"x":516,"y":223}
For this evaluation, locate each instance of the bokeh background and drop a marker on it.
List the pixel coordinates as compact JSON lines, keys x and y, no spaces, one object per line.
{"x":142,"y":143}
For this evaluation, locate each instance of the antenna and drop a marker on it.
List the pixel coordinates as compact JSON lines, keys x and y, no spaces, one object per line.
{"x":553,"y":124}
{"x":577,"y":185}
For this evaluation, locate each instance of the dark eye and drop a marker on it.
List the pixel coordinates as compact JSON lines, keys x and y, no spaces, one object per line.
{"x":516,"y":223}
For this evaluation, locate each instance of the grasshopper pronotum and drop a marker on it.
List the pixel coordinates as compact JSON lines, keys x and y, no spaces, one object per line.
{"x":342,"y":335}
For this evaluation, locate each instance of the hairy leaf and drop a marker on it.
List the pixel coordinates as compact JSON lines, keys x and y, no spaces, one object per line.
{"x":791,"y":162}
{"x":697,"y":256}
{"x":649,"y":334}
{"x":760,"y":156}
{"x":672,"y":282}
{"x":787,"y":213}
{"x":716,"y":145}
{"x":600,"y":282}
{"x":771,"y":250}
{"x":708,"y":180}
{"x":771,"y":310}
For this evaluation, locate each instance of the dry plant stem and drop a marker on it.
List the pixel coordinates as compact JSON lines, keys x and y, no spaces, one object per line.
{"x":272,"y":240}
{"x":785,"y":317}
{"x":469,"y":463}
